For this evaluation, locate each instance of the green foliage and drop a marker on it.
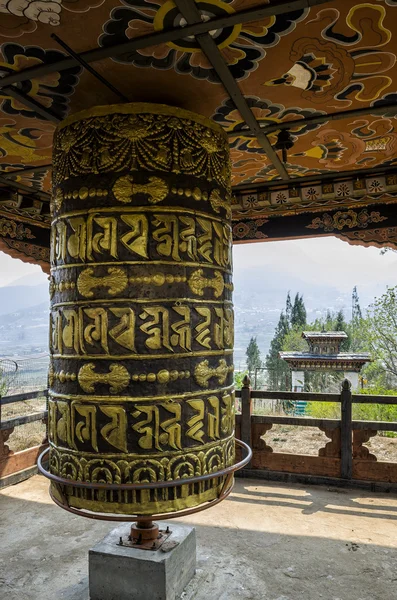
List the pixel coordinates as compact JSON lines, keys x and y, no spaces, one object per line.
{"x":376,"y":333}
{"x":3,"y":386}
{"x":238,"y":379}
{"x":323,"y":410}
{"x":294,"y":342}
{"x":278,"y":371}
{"x":298,"y":313}
{"x":288,"y":308}
{"x":288,"y":332}
{"x":253,"y":355}
{"x":380,"y":330}
{"x":356,"y":308}
{"x":361,"y":412}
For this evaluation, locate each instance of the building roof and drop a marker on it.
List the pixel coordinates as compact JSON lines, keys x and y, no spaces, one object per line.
{"x":341,"y":356}
{"x":343,"y":361}
{"x":324,"y":335}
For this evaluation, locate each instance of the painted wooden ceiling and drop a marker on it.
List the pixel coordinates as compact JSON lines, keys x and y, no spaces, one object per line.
{"x":293,"y":66}
{"x":321,"y":71}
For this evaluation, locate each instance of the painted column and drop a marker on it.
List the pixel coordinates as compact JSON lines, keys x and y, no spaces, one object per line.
{"x":352,"y":376}
{"x":298,"y":379}
{"x":141,"y":377}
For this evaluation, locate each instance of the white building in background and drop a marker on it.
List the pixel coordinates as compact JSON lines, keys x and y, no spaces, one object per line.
{"x":324,"y":355}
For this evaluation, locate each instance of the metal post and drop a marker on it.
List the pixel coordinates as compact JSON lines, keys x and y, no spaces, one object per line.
{"x":246,"y":413}
{"x":346,"y":464}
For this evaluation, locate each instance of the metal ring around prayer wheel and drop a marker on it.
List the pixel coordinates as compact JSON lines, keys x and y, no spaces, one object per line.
{"x":141,"y":329}
{"x":59,"y":497}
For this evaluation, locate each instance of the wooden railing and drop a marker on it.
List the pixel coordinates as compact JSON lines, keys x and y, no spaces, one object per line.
{"x":16,"y":466}
{"x":344,"y":457}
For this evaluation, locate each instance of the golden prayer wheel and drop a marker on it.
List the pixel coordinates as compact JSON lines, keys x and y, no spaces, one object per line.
{"x":141,"y":398}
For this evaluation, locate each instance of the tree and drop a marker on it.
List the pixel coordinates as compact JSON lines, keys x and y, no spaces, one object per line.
{"x":278,"y":370}
{"x":288,"y":308}
{"x":253,"y":355}
{"x":298,"y":313}
{"x":381,"y":330}
{"x":356,"y":308}
{"x":340,"y":323}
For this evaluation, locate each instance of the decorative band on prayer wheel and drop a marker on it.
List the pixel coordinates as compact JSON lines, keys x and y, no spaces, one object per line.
{"x":141,"y":328}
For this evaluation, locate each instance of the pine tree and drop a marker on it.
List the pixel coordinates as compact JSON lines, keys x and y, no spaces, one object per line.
{"x":288,"y":308}
{"x":328,"y":321}
{"x":340,"y":323}
{"x":356,"y":325}
{"x":278,"y":370}
{"x":298,"y":313}
{"x":253,"y":356}
{"x":356,"y":308}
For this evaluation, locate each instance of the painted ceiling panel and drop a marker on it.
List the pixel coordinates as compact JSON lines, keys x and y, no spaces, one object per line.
{"x":301,"y":64}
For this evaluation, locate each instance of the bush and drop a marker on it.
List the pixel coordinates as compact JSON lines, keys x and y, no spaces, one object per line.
{"x":361,"y":412}
{"x":323,"y":410}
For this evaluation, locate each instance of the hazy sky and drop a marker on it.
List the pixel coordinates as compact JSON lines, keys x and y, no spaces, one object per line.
{"x":313,"y":260}
{"x":321,"y":260}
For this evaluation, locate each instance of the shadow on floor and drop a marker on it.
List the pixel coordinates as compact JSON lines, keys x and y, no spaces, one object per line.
{"x":266,"y":542}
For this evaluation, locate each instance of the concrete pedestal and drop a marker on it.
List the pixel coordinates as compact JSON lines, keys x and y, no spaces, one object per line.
{"x":122,"y":573}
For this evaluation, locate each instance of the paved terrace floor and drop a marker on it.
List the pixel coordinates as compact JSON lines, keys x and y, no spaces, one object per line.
{"x":267,"y":541}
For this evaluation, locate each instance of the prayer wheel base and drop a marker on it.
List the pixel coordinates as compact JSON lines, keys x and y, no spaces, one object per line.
{"x":118,"y":571}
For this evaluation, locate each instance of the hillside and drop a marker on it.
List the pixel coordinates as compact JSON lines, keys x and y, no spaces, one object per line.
{"x":259,"y":297}
{"x":25,"y":330}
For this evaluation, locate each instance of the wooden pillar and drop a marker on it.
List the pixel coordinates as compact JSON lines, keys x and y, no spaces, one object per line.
{"x":246,"y":413}
{"x":346,"y":466}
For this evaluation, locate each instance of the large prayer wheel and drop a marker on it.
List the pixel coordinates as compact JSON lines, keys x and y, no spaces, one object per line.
{"x":141,"y":376}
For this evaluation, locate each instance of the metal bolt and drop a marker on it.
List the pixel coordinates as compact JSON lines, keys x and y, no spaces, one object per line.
{"x":121,"y":541}
{"x":154,"y":546}
{"x":167,"y":530}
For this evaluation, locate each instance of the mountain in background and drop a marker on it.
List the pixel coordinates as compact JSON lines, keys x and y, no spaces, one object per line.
{"x":30,"y":280}
{"x":259,"y":297}
{"x":14,"y":298}
{"x":25,"y":331}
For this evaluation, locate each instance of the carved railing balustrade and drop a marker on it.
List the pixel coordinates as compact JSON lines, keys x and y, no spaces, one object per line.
{"x":344,"y":458}
{"x":16,"y":466}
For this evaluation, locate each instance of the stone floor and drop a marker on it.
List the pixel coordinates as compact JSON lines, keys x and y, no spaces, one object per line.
{"x":266,"y":542}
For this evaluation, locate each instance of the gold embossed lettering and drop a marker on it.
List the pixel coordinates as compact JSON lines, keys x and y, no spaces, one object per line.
{"x":182,"y":335}
{"x":196,"y":423}
{"x":167,"y":234}
{"x":77,"y":242}
{"x":213,"y":418}
{"x":72,"y":332}
{"x":124,"y":332}
{"x":115,"y":432}
{"x":188,"y":238}
{"x":205,"y":239}
{"x":158,"y":329}
{"x":136,"y":239}
{"x":203,"y":329}
{"x":103,"y":241}
{"x":97,"y":331}
{"x":85,"y":429}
